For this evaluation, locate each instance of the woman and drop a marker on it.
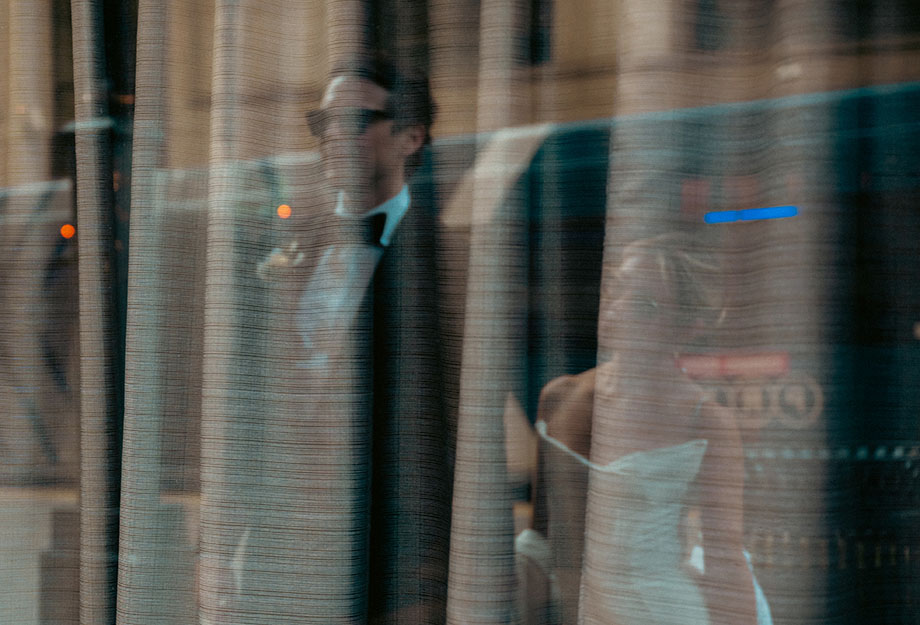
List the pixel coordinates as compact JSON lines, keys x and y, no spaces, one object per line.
{"x":634,"y":456}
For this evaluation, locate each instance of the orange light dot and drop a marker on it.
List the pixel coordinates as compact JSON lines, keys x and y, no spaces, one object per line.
{"x":284,"y":211}
{"x":68,"y":231}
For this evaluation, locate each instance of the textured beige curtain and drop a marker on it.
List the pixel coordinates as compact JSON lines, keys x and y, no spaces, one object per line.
{"x":40,"y":353}
{"x":490,"y":441}
{"x":481,"y":583}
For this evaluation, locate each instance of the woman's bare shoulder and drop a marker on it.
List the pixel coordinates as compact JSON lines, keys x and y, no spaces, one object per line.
{"x":567,"y":387}
{"x":567,"y":406}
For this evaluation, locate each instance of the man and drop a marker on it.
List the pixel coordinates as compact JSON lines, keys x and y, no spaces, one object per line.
{"x":372,"y":124}
{"x":378,"y":256}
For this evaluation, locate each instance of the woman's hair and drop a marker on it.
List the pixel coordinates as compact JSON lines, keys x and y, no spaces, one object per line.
{"x":692,"y":270}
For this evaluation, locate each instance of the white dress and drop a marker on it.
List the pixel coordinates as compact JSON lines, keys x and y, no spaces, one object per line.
{"x":634,"y":565}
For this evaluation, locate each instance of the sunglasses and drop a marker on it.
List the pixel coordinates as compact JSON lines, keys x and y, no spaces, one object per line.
{"x":354,"y":120}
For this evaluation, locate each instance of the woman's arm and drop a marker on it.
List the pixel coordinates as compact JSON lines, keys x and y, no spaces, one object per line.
{"x":727,"y":584}
{"x":566,"y":406}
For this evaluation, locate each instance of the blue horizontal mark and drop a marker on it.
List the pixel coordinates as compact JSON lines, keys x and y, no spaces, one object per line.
{"x":750,"y":214}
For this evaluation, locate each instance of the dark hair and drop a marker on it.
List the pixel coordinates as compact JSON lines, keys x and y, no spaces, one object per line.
{"x":409,"y":99}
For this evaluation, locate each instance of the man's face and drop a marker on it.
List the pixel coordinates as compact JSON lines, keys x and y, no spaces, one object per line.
{"x":361,"y":154}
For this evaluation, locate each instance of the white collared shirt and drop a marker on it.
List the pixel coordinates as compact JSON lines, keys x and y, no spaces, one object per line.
{"x":330,"y":301}
{"x":395,"y":209}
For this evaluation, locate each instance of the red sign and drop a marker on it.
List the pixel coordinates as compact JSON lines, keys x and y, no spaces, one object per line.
{"x":743,"y":366}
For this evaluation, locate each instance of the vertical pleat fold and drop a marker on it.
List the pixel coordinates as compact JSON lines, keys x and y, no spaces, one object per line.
{"x":482,"y":578}
{"x":99,"y":403}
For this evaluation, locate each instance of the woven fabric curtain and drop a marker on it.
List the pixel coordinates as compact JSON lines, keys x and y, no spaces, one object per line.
{"x":643,"y":347}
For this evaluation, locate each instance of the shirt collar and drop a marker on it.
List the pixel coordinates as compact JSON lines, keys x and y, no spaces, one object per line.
{"x":395,"y":209}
